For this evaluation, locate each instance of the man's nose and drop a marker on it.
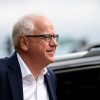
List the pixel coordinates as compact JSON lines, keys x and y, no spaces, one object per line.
{"x":53,"y":42}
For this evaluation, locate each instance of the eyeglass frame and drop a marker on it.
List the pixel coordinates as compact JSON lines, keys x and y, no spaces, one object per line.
{"x":47,"y":37}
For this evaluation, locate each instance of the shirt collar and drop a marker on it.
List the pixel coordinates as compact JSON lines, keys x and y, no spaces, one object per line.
{"x":24,"y":69}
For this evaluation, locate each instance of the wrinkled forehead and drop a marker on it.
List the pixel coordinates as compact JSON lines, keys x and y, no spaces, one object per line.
{"x":41,"y":23}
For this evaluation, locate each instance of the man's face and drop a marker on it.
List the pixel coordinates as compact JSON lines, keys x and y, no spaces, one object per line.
{"x":41,"y":50}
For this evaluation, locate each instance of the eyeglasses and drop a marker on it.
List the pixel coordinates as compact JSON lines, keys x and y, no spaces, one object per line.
{"x":47,"y":37}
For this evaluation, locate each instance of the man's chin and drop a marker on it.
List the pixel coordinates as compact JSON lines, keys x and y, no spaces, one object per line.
{"x":51,"y":60}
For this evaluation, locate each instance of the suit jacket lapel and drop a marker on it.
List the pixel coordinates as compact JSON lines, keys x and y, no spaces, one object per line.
{"x":15,"y":78}
{"x":49,"y":86}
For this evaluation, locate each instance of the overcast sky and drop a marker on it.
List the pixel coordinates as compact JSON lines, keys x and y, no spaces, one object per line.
{"x":77,"y":18}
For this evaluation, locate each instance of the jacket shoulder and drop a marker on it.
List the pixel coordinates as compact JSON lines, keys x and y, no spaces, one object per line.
{"x":3,"y":62}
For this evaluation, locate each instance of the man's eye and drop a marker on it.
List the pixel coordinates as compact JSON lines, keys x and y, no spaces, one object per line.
{"x":48,"y":36}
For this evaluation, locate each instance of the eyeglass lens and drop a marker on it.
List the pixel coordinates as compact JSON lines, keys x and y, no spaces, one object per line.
{"x":49,"y":37}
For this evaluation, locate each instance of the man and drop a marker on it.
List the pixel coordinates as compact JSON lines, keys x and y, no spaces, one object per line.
{"x":24,"y":75}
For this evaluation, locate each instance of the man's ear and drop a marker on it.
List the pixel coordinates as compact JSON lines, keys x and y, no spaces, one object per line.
{"x":23,"y":43}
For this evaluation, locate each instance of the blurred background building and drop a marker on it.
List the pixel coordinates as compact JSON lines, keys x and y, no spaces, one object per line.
{"x":76,"y":21}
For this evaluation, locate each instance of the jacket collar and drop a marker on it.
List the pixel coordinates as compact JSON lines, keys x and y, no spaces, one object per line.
{"x":15,"y":78}
{"x":49,"y":86}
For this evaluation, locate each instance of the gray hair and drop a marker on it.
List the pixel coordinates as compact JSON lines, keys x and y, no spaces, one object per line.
{"x":23,"y":26}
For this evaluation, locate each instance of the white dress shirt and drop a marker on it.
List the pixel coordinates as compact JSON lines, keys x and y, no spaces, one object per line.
{"x":32,"y":89}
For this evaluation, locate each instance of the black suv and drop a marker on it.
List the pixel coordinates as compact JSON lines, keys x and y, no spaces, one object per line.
{"x":78,"y":74}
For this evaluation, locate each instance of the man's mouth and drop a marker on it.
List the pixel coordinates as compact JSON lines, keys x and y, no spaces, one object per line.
{"x":52,"y":52}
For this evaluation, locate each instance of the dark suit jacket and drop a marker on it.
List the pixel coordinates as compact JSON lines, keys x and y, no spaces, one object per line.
{"x":11,"y":80}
